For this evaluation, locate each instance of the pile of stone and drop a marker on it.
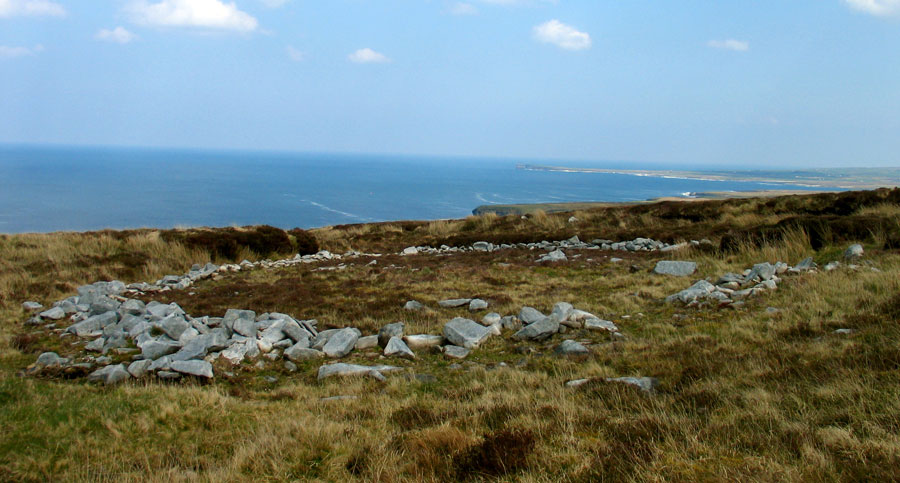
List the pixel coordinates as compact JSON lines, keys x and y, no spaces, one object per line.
{"x":636,"y":245}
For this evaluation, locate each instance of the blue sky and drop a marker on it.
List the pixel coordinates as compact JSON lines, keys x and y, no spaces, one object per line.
{"x":725,"y":83}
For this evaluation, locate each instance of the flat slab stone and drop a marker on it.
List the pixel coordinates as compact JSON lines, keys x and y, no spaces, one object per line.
{"x":397,"y":348}
{"x":154,"y":349}
{"x":452,"y":303}
{"x":193,"y":368}
{"x":413,"y":305}
{"x":343,"y":370}
{"x":477,"y":304}
{"x":465,"y":333}
{"x":540,"y":330}
{"x":600,"y":324}
{"x":367,"y":342}
{"x":554,"y":256}
{"x":456,"y":352}
{"x":34,"y":306}
{"x":676,"y":268}
{"x":570,"y":348}
{"x":340,"y":343}
{"x":646,"y":384}
{"x":54,"y":313}
{"x":93,"y":324}
{"x":422,"y":341}
{"x":530,"y":315}
{"x":297,"y":353}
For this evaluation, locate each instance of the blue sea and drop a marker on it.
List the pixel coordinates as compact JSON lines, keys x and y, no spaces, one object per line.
{"x":44,"y":189}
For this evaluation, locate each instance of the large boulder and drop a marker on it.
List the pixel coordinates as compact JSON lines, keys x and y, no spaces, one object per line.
{"x":562,"y":311}
{"x":529,"y":315}
{"x":676,"y":268}
{"x":341,"y":343}
{"x":540,"y":330}
{"x":465,"y":333}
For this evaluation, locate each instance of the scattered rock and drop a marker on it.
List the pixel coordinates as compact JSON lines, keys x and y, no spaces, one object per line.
{"x":490,"y":319}
{"x":193,"y":368}
{"x":465,"y":333}
{"x":554,"y":256}
{"x":34,"y":306}
{"x":110,"y":375}
{"x":423,"y":341}
{"x":569,"y":348}
{"x":562,"y":311}
{"x":529,"y":315}
{"x":540,"y":330}
{"x":456,"y":352}
{"x":367,"y":342}
{"x":676,"y":268}
{"x":54,"y":313}
{"x":413,"y":305}
{"x":646,"y":384}
{"x":409,"y":251}
{"x":600,"y":324}
{"x":51,"y":359}
{"x":854,"y":252}
{"x":396,"y":348}
{"x":389,"y":331}
{"x":138,"y":369}
{"x":342,"y":369}
{"x":477,"y":304}
{"x":453,"y":303}
{"x":297,"y":353}
{"x":341,"y":343}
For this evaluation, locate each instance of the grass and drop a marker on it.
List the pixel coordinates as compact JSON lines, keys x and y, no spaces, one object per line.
{"x":744,"y":394}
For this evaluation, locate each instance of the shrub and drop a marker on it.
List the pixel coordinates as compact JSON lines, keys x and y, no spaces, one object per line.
{"x":304,"y":242}
{"x":501,"y":452}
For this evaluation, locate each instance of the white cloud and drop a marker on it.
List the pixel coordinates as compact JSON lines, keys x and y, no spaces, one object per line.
{"x":118,"y":35}
{"x":730,"y":44}
{"x":462,"y":8}
{"x":274,"y":3}
{"x":294,"y":54}
{"x":881,"y":8}
{"x":368,"y":56}
{"x":207,"y":14}
{"x":11,"y":8}
{"x":13,"y":52}
{"x":562,"y":35}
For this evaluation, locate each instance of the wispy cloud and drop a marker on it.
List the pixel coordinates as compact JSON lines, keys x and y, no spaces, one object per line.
{"x":368,"y":56}
{"x":205,"y":14}
{"x":880,"y":8}
{"x":462,"y":8}
{"x":730,"y":44}
{"x":13,"y":52}
{"x":294,"y":54}
{"x":118,"y":35}
{"x":33,"y":8}
{"x":562,"y":35}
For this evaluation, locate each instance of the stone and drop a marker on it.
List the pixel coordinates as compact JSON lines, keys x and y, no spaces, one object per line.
{"x":290,"y":366}
{"x":297,"y":353}
{"x":413,"y":305}
{"x":341,"y":343}
{"x":570,"y":348}
{"x":529,"y":315}
{"x":396,"y":348}
{"x":805,"y":265}
{"x":832,"y":266}
{"x":367,"y":342}
{"x":174,"y":326}
{"x":343,"y":370}
{"x":511,"y":322}
{"x":34,"y":306}
{"x":422,"y":341}
{"x":854,"y":252}
{"x":452,"y":303}
{"x":761,"y":272}
{"x":562,"y":311}
{"x":51,"y":359}
{"x":198,"y":347}
{"x":233,"y":315}
{"x":482,"y":246}
{"x":477,"y":304}
{"x":843,"y":331}
{"x":490,"y":319}
{"x":465,"y":333}
{"x":409,"y":251}
{"x":676,"y":268}
{"x":554,"y":256}
{"x":699,"y":290}
{"x":139,"y":369}
{"x":193,"y":368}
{"x":540,"y":330}
{"x":388,"y":331}
{"x":110,"y":375}
{"x":54,"y":313}
{"x":168,"y":375}
{"x":154,"y":349}
{"x":95,"y":345}
{"x":295,"y":331}
{"x":646,"y":384}
{"x":600,"y":324}
{"x":577,"y":382}
{"x":456,"y":352}
{"x":93,"y":324}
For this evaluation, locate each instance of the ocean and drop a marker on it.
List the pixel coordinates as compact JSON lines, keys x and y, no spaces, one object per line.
{"x":45,"y":189}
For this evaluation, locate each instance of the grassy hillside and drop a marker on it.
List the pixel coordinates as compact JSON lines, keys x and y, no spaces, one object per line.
{"x":744,"y":393}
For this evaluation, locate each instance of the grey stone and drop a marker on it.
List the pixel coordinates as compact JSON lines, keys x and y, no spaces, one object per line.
{"x":299,"y":353}
{"x":95,"y":345}
{"x":832,"y":266}
{"x":233,"y":315}
{"x":198,"y":347}
{"x":396,"y":348}
{"x":600,"y":324}
{"x":168,"y":375}
{"x":413,"y":305}
{"x":155,"y":349}
{"x":554,"y":256}
{"x":477,"y":304}
{"x":110,"y":375}
{"x":103,"y":305}
{"x":422,"y":341}
{"x":540,"y":330}
{"x":490,"y":319}
{"x":510,"y":322}
{"x":452,"y":303}
{"x":409,"y":251}
{"x":853,"y":252}
{"x":761,"y":272}
{"x":529,"y":315}
{"x":138,"y":369}
{"x":290,"y":366}
{"x":562,"y":311}
{"x":699,"y":290}
{"x":174,"y":326}
{"x":805,"y":265}
{"x":456,"y":352}
{"x":676,"y":268}
{"x":646,"y":384}
{"x":388,"y":331}
{"x":482,"y":246}
{"x":342,"y":369}
{"x":341,"y":343}
{"x":295,"y":331}
{"x":367,"y":342}
{"x":34,"y":306}
{"x":465,"y":333}
{"x":194,"y":368}
{"x":93,"y":324}
{"x":50,"y":359}
{"x":570,"y":348}
{"x":54,"y":313}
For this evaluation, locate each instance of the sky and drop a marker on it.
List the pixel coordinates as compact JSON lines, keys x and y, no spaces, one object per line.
{"x":767,"y":83}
